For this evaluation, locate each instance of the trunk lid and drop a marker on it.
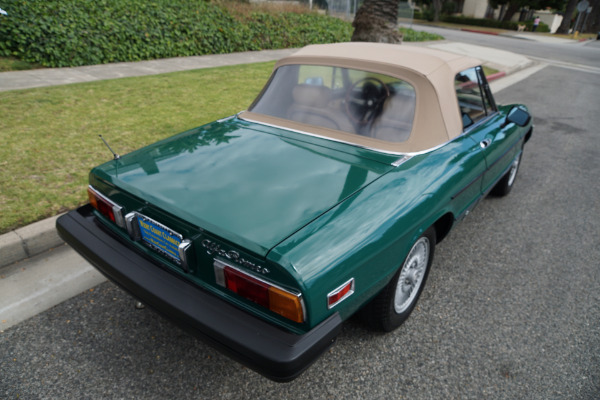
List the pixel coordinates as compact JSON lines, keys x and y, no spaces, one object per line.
{"x":249,"y":184}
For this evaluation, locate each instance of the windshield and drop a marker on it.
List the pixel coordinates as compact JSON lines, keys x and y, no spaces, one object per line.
{"x":349,"y":100}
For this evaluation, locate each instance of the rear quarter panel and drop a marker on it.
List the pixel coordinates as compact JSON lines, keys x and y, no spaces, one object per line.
{"x":367,"y":236}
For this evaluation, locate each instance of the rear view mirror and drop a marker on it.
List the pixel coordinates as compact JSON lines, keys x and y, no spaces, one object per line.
{"x":518,"y":116}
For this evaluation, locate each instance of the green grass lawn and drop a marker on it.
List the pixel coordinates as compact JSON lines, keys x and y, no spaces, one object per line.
{"x":50,"y":137}
{"x":12,"y":64}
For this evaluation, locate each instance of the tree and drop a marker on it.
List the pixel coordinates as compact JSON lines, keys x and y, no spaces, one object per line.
{"x":566,"y":22}
{"x":437,"y":9}
{"x":516,"y":5}
{"x":377,"y":21}
{"x":499,"y":3}
{"x":593,"y":22}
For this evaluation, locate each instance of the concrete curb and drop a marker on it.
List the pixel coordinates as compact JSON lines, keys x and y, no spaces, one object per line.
{"x":29,"y":241}
{"x":495,"y":76}
{"x":478,"y":31}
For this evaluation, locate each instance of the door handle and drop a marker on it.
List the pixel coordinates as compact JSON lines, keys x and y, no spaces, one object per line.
{"x":485,"y":143}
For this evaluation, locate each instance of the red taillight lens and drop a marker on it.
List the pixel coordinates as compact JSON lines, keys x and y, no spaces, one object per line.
{"x":341,"y":293}
{"x":106,"y":207}
{"x":276,"y":299}
{"x":246,"y":286}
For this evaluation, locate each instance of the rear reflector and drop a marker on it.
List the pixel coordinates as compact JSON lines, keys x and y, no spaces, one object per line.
{"x":276,"y":299}
{"x":106,"y":207}
{"x":340,"y":294}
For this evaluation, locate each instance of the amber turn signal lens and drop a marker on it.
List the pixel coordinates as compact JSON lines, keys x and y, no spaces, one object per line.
{"x":92,"y":198}
{"x":106,"y":207}
{"x":286,"y":304}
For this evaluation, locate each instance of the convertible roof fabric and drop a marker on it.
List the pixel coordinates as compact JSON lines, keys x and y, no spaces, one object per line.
{"x":437,"y":116}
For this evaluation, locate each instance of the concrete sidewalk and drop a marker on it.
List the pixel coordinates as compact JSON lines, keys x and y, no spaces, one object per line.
{"x":62,"y":76}
{"x":542,"y":38}
{"x":27,"y":284}
{"x":15,"y":80}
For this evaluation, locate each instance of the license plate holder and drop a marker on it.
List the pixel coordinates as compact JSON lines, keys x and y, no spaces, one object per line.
{"x":160,"y":238}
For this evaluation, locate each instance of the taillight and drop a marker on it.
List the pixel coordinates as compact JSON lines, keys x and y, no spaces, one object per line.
{"x":106,"y":207}
{"x":276,"y":299}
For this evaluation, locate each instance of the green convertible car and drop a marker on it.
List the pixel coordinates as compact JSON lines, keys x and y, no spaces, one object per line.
{"x":262,"y":232}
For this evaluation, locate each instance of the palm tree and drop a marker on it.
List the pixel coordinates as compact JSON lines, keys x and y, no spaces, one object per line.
{"x":377,"y":21}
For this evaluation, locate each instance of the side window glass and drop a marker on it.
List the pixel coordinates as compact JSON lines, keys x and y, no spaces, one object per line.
{"x":470,"y":95}
{"x":488,"y":99}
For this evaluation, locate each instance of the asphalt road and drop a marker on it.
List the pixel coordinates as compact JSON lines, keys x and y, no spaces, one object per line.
{"x":511,"y":309}
{"x":585,"y":53}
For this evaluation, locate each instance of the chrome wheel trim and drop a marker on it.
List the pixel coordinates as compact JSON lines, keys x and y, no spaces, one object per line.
{"x":412,"y":275}
{"x":512,"y":174}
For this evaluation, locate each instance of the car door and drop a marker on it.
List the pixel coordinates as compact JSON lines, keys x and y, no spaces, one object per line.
{"x":485,"y":125}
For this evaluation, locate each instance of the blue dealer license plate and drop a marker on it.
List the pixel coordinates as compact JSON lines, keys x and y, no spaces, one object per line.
{"x":160,"y":238}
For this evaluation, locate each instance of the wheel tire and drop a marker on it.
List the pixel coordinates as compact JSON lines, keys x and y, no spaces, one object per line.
{"x":392,"y":306}
{"x":505,"y":184}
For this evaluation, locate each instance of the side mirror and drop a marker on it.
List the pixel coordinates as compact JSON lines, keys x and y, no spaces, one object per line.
{"x":518,"y":116}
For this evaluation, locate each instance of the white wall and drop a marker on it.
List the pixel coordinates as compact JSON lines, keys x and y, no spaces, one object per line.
{"x":552,"y":20}
{"x":475,"y":8}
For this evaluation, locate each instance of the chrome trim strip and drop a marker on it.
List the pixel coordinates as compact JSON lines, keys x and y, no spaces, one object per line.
{"x":323,"y":137}
{"x":184,"y":253}
{"x":226,"y":118}
{"x":399,"y":161}
{"x":337,"y":290}
{"x":479,"y":122}
{"x":132,"y":227}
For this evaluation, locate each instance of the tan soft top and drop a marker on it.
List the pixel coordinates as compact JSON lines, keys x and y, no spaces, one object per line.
{"x":431,"y":72}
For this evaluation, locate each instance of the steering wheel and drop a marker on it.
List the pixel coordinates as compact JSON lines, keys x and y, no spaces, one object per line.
{"x":364,"y":104}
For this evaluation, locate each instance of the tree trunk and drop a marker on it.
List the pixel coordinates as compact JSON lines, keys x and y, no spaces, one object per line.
{"x":377,"y":21}
{"x":566,"y":22}
{"x":510,"y":11}
{"x":501,"y":14}
{"x":593,"y":22}
{"x":437,"y":10}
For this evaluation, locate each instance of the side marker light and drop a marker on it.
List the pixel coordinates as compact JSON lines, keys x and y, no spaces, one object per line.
{"x":340,"y":294}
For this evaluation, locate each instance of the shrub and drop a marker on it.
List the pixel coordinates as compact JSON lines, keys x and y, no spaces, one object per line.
{"x":66,"y":33}
{"x":59,"y":33}
{"x":410,"y":35}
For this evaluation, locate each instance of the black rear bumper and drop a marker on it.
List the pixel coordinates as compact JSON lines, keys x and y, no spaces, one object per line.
{"x":273,"y":352}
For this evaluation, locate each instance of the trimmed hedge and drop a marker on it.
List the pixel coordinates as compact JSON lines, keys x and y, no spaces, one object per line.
{"x":60,"y":33}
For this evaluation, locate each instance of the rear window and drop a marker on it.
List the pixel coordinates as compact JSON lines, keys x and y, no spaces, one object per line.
{"x":349,"y":100}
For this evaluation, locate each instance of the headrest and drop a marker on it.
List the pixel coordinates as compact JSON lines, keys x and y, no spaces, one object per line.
{"x":311,"y":95}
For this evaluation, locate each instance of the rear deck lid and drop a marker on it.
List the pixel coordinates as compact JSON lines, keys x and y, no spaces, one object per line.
{"x":249,"y":184}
